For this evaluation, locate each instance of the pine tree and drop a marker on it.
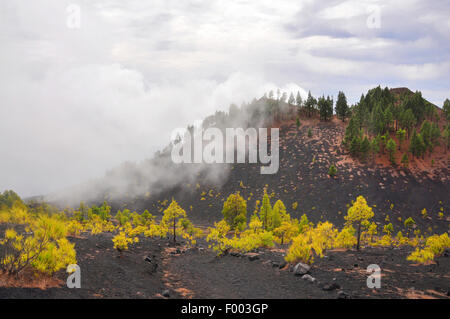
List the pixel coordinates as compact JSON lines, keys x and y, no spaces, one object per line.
{"x":383,"y":141}
{"x":171,"y":216}
{"x":299,"y":101}
{"x":354,"y":146}
{"x":388,"y":117}
{"x":304,"y":224}
{"x":422,"y":145}
{"x":342,"y":109}
{"x":417,"y":105}
{"x":291,"y":100}
{"x":325,"y":108}
{"x":378,"y":120}
{"x":401,"y":135}
{"x":364,"y":148}
{"x":310,"y":104}
{"x":425,"y":131}
{"x":332,"y":171}
{"x":235,"y":210}
{"x":417,"y":145}
{"x":405,"y":160}
{"x":407,"y":121}
{"x":435,"y":135}
{"x":446,"y":137}
{"x":414,"y":146}
{"x":391,"y":147}
{"x":359,"y":214}
{"x":265,"y":211}
{"x":278,"y":215}
{"x":446,"y":109}
{"x":351,"y":131}
{"x":375,"y":146}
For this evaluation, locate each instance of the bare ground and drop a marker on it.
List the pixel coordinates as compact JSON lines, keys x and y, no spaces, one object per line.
{"x":198,"y":273}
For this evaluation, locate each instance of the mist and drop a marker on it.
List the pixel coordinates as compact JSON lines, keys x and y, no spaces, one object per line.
{"x":77,"y":101}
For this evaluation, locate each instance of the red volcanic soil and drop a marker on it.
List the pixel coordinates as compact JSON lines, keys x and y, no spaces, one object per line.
{"x":198,"y":273}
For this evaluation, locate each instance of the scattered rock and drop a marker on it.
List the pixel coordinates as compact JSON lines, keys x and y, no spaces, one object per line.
{"x":282,"y":265}
{"x":148,"y":259}
{"x":309,"y":278}
{"x":252,"y":256}
{"x":166,"y":293}
{"x":275,"y":264}
{"x":301,"y":269}
{"x":342,"y":295}
{"x":331,"y":287}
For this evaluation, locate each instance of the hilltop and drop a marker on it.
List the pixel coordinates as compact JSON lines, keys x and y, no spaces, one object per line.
{"x":395,"y":191}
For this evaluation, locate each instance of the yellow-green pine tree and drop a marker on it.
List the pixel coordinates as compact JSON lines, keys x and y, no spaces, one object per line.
{"x":359,"y":213}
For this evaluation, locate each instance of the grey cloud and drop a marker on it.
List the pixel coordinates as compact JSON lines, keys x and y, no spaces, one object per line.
{"x":75,"y":103}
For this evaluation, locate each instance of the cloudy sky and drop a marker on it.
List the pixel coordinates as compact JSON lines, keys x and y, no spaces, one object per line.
{"x":88,"y":84}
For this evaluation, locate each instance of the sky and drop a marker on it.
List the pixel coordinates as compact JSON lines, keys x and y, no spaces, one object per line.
{"x":88,"y":84}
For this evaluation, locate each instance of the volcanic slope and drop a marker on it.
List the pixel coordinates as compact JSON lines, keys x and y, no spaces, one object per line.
{"x":303,"y":184}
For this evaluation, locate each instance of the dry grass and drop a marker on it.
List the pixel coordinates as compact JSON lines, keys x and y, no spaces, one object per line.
{"x":29,"y":280}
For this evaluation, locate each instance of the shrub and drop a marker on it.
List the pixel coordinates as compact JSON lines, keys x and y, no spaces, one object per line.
{"x":313,"y":242}
{"x":121,"y":241}
{"x":435,"y":246}
{"x":409,"y":224}
{"x":332,"y":171}
{"x":346,"y":238}
{"x":217,"y":235}
{"x":43,"y":247}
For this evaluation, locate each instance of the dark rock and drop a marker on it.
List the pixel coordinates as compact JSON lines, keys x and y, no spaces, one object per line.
{"x":282,"y":264}
{"x":301,"y":269}
{"x":275,"y":264}
{"x":148,"y":259}
{"x":331,"y":287}
{"x":342,"y":295}
{"x":166,"y":293}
